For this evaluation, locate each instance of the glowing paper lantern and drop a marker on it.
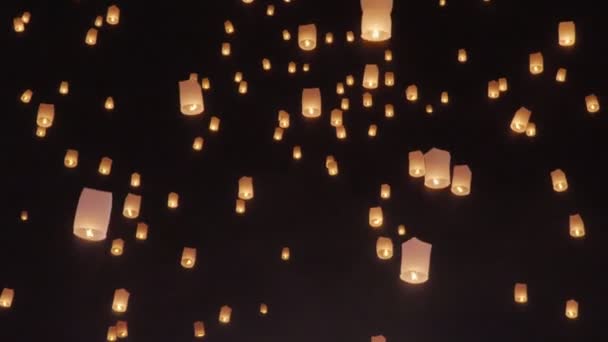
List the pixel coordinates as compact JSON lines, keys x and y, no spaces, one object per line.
{"x":370,"y":76}
{"x":372,"y":130}
{"x":121,"y":301}
{"x":111,"y":335}
{"x":401,"y":230}
{"x":344,"y":104}
{"x":292,"y":68}
{"x":520,"y":293}
{"x":191,"y":98}
{"x":378,"y":338}
{"x":297,"y":152}
{"x":188,"y":257}
{"x":135,"y":180}
{"x":243,"y":87}
{"x":311,"y":102}
{"x":375,"y":217}
{"x":437,"y":169}
{"x":228,"y":27}
{"x":278,"y":134}
{"x":503,"y":85}
{"x":122,"y":329}
{"x":6,"y":298}
{"x":558,"y":178}
{"x":225,"y":49}
{"x":286,"y":35}
{"x":445,"y":98}
{"x":388,"y":55}
{"x":266,"y":65}
{"x":199,"y":329}
{"x":561,"y":75}
{"x":376,"y":23}
{"x":98,"y":21}
{"x":109,"y":103}
{"x":245,"y":188}
{"x":567,"y":33}
{"x":520,"y":120}
{"x":46,"y":114}
{"x":93,"y":214}
{"x":350,"y":80}
{"x":113,"y":15}
{"x":26,"y":96}
{"x":340,"y":132}
{"x":306,"y":67}
{"x":197,"y":144}
{"x":389,"y":111}
{"x":118,"y":246}
{"x":285,"y":254}
{"x":350,"y":36}
{"x":64,"y":88}
{"x":531,"y":129}
{"x":336,"y":118}
{"x":141,"y":232}
{"x":206,"y":83}
{"x":368,"y":100}
{"x":172,"y":200}
{"x":131,"y":206}
{"x":389,"y":79}
{"x":577,"y":226}
{"x":332,"y":168}
{"x":416,"y":160}
{"x":263,"y":309}
{"x":329,"y":38}
{"x":493,"y":90}
{"x":536,"y":63}
{"x":71,"y":159}
{"x":40,"y":132}
{"x":411,"y":93}
{"x":238,"y":77}
{"x":442,"y":3}
{"x":283,"y":119}
{"x":572,"y":309}
{"x":24,"y":216}
{"x":592,"y":103}
{"x":270,"y":10}
{"x":462,"y":56}
{"x":240,"y":206}
{"x":18,"y":25}
{"x":225,"y":313}
{"x":461,"y":181}
{"x":428,"y":109}
{"x":384,"y":248}
{"x":307,"y":37}
{"x":26,"y":17}
{"x":415,"y":261}
{"x":214,"y":124}
{"x":247,"y":1}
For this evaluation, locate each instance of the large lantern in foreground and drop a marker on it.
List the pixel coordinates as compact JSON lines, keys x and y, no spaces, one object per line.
{"x":520,"y":293}
{"x":191,"y":97}
{"x":311,"y":102}
{"x":93,"y":214}
{"x":307,"y":37}
{"x":437,"y":167}
{"x":376,"y":22}
{"x":415,"y":261}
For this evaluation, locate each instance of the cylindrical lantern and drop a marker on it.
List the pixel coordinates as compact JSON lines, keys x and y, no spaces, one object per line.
{"x":172,"y":200}
{"x":285,"y":254}
{"x":111,"y":335}
{"x":378,"y":338}
{"x":266,"y":65}
{"x":64,"y":88}
{"x":26,"y":96}
{"x":6,"y":298}
{"x":199,"y":329}
{"x":401,"y":230}
{"x":389,"y":110}
{"x":415,"y":261}
{"x":375,"y":217}
{"x":416,"y":160}
{"x":228,"y":27}
{"x":205,"y":83}
{"x":336,"y":118}
{"x":567,"y":33}
{"x":558,"y":178}
{"x":493,"y":90}
{"x":437,"y":169}
{"x":18,"y":24}
{"x":384,"y":248}
{"x":286,"y":35}
{"x":263,"y":309}
{"x":278,"y":134}
{"x":121,"y":301}
{"x":283,"y":119}
{"x":40,"y":132}
{"x":225,"y":313}
{"x":71,"y":159}
{"x":531,"y":129}
{"x":46,"y":114}
{"x":24,"y":216}
{"x":428,"y":109}
{"x":243,"y":87}
{"x":592,"y":103}
{"x":332,"y":168}
{"x":245,"y":188}
{"x":350,"y":80}
{"x":188,"y":257}
{"x":536,"y":63}
{"x":389,"y":79}
{"x":93,"y":214}
{"x":135,"y":180}
{"x":561,"y":75}
{"x":109,"y":103}
{"x":118,"y":246}
{"x":26,"y":17}
{"x":240,"y":206}
{"x":388,"y":55}
{"x":198,"y":143}
{"x":98,"y":21}
{"x":445,"y":98}
{"x":131,"y":206}
{"x":307,"y":37}
{"x":91,"y":37}
{"x":238,"y":77}
{"x":350,"y":36}
{"x":340,"y":132}
{"x":577,"y":226}
{"x":520,"y":120}
{"x":113,"y":15}
{"x":292,"y":68}
{"x":520,"y":293}
{"x":370,"y":76}
{"x":270,"y":10}
{"x":191,"y":98}
{"x":311,"y":102}
{"x":344,"y":104}
{"x":122,"y":329}
{"x":462,"y":56}
{"x":306,"y":67}
{"x":141,"y":232}
{"x":329,"y":38}
{"x":461,"y":180}
{"x":572,"y":309}
{"x":376,"y":23}
{"x":297,"y":152}
{"x":372,"y":130}
{"x":214,"y":124}
{"x":368,"y":100}
{"x":411,"y":93}
{"x":503,"y":84}
{"x":385,"y":191}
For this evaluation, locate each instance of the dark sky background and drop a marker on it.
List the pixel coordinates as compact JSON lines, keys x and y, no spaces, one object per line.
{"x":513,"y":227}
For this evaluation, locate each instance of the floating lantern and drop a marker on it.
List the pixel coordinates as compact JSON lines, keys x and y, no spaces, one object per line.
{"x":389,"y":111}
{"x":199,"y":329}
{"x":71,"y":159}
{"x":336,"y":118}
{"x":415,"y":261}
{"x":344,"y":104}
{"x":372,"y":130}
{"x":401,"y":230}
{"x":328,"y":159}
{"x":442,"y":3}
{"x":428,"y":109}
{"x":113,"y":15}
{"x":122,"y":329}
{"x":131,"y":206}
{"x":411,"y":93}
{"x":385,"y":191}
{"x":109,"y":103}
{"x":93,"y":214}
{"x":98,"y":21}
{"x":520,"y":293}
{"x":141,"y":232}
{"x":135,"y":180}
{"x":118,"y":246}
{"x":225,"y":49}
{"x":384,"y":248}
{"x":278,"y":134}
{"x":593,"y":104}
{"x":370,"y":76}
{"x":283,"y":119}
{"x":121,"y":301}
{"x":228,"y":27}
{"x":40,"y":132}
{"x":375,"y":217}
{"x":243,"y":87}
{"x":64,"y":88}
{"x":297,"y":152}
{"x":26,"y":17}
{"x":197,"y":144}
{"x":238,"y":77}
{"x":520,"y":120}
{"x":6,"y":298}
{"x":572,"y":309}
{"x":577,"y":226}
{"x":332,"y":168}
{"x":536,"y":63}
{"x":461,"y":181}
{"x":26,"y":96}
{"x":292,"y":68}
{"x":24,"y":216}
{"x":503,"y":85}
{"x":111,"y":335}
{"x":46,"y":114}
{"x":245,"y":188}
{"x":307,"y":37}
{"x":240,"y":206}
{"x":225,"y":313}
{"x":437,"y":169}
{"x":531,"y":129}
{"x":18,"y":25}
{"x":350,"y":80}
{"x":266,"y":65}
{"x":445,"y":98}
{"x":340,"y":132}
{"x":376,"y":23}
{"x":417,"y":168}
{"x":311,"y":102}
{"x":388,"y":55}
{"x":329,"y":38}
{"x":263,"y":309}
{"x":389,"y":79}
{"x":493,"y":90}
{"x":191,"y":98}
{"x":285,"y":254}
{"x":567,"y":33}
{"x":188,"y":257}
{"x":561,"y":75}
{"x":378,"y":338}
{"x":205,"y":83}
{"x":214,"y":124}
{"x":306,"y":67}
{"x":350,"y":36}
{"x":270,"y":10}
{"x":368,"y":100}
{"x":558,"y":178}
{"x":339,"y":88}
{"x":462,"y":56}
{"x":286,"y":35}
{"x":172,"y":200}
{"x":247,"y":1}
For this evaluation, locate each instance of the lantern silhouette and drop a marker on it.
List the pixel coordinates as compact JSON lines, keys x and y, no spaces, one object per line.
{"x":118,"y":246}
{"x":340,"y":132}
{"x":26,"y":96}
{"x":228,"y":27}
{"x":384,"y":248}
{"x":109,"y":103}
{"x":191,"y":98}
{"x":286,"y":35}
{"x":263,"y":309}
{"x":462,"y":56}
{"x":245,"y":188}
{"x":172,"y":200}
{"x":240,"y":206}
{"x":122,"y":329}
{"x":266,"y":65}
{"x":93,"y":214}
{"x":388,"y":55}
{"x":98,"y":21}
{"x":111,"y":335}
{"x":292,"y":68}
{"x":520,"y":293}
{"x":531,"y":129}
{"x":372,"y":131}
{"x":329,"y":38}
{"x":113,"y":15}
{"x":199,"y":329}
{"x":205,"y":83}
{"x":461,"y":180}
{"x":214,"y":124}
{"x":572,"y":309}
{"x":401,"y":230}
{"x":285,"y":254}
{"x":270,"y":10}
{"x":350,"y":36}
{"x":243,"y":87}
{"x":336,"y":118}
{"x":520,"y":120}
{"x":283,"y":119}
{"x":40,"y":132}
{"x":411,"y":93}
{"x":135,"y":180}
{"x":577,"y":226}
{"x":445,"y":98}
{"x":332,"y":168}
{"x":225,"y":313}
{"x":536,"y":63}
{"x":561,"y":75}
{"x":493,"y":90}
{"x":389,"y":111}
{"x":389,"y":79}
{"x":306,"y":67}
{"x":46,"y":114}
{"x":592,"y":103}
{"x":64,"y":88}
{"x":558,"y":178}
{"x":188,"y":257}
{"x":197,"y":144}
{"x":428,"y":109}
{"x":307,"y":37}
{"x":18,"y":25}
{"x":141,"y":232}
{"x":567,"y":33}
{"x":121,"y":301}
{"x":24,"y":216}
{"x":368,"y":100}
{"x":311,"y":102}
{"x":370,"y":76}
{"x":415,"y":261}
{"x":131,"y":206}
{"x":375,"y":217}
{"x":350,"y":80}
{"x":344,"y":104}
{"x":437,"y":169}
{"x":376,"y":23}
{"x":416,"y":160}
{"x":278,"y":134}
{"x":297,"y":152}
{"x":6,"y":298}
{"x":71,"y":159}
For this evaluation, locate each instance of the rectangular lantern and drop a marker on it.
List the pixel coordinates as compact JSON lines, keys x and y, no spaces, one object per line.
{"x":26,"y":17}
{"x":98,"y":21}
{"x":371,"y":74}
{"x":350,"y":80}
{"x":93,"y":214}
{"x":245,"y":188}
{"x":243,"y":87}
{"x":71,"y":159}
{"x":411,"y":93}
{"x":118,"y":247}
{"x":428,"y":109}
{"x":188,"y":257}
{"x":461,"y":180}
{"x":240,"y":206}
{"x":462,"y":56}
{"x":263,"y":309}
{"x":558,"y":178}
{"x":278,"y":134}
{"x":283,"y":119}
{"x":389,"y":79}
{"x":199,"y":329}
{"x":572,"y":309}
{"x":109,"y":103}
{"x":172,"y":200}
{"x":416,"y":161}
{"x":567,"y":33}
{"x":531,"y":130}
{"x":345,"y":104}
{"x":493,"y":90}
{"x":113,"y":15}
{"x":332,"y":168}
{"x":198,"y":143}
{"x":415,"y":261}
{"x":121,"y":301}
{"x":384,"y":248}
{"x":64,"y":88}
{"x":297,"y":152}
{"x":311,"y":102}
{"x":266,"y":65}
{"x":131,"y":206}
{"x":135,"y":180}
{"x":285,"y":254}
{"x":40,"y":132}
{"x":388,"y":55}
{"x":389,"y":110}
{"x":307,"y":37}
{"x":445,"y":98}
{"x":225,"y":313}
{"x":292,"y":67}
{"x":378,"y":338}
{"x":191,"y":98}
{"x":577,"y":226}
{"x":214,"y":124}
{"x":401,"y":230}
{"x":26,"y":96}
{"x":340,"y":132}
{"x":561,"y":75}
{"x":368,"y":100}
{"x":286,"y":35}
{"x":536,"y":63}
{"x":91,"y":37}
{"x":306,"y":67}
{"x":520,"y":293}
{"x":270,"y":10}
{"x":141,"y":232}
{"x":350,"y":36}
{"x":520,"y":120}
{"x":329,"y":38}
{"x":375,"y":217}
{"x":503,"y":84}
{"x":205,"y":83}
{"x":46,"y":114}
{"x":228,"y":27}
{"x":24,"y":216}
{"x":6,"y":298}
{"x":592,"y":103}
{"x":111,"y":335}
{"x":18,"y":25}
{"x":122,"y":329}
{"x":372,"y":130}
{"x":336,"y":118}
{"x":376,"y":22}
{"x":437,"y":169}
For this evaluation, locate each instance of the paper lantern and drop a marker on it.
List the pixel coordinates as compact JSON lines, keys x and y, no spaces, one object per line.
{"x":311,"y":102}
{"x":98,"y":21}
{"x":340,"y":132}
{"x":531,"y":129}
{"x":372,"y":130}
{"x":332,"y":168}
{"x":445,"y":98}
{"x":240,"y":206}
{"x":188,"y":257}
{"x":437,"y":169}
{"x":536,"y":63}
{"x":285,"y":254}
{"x":191,"y":98}
{"x":376,"y":23}
{"x":572,"y":309}
{"x":503,"y":84}
{"x":113,"y":15}
{"x":270,"y":10}
{"x":558,"y":178}
{"x":205,"y":83}
{"x":40,"y":132}
{"x":567,"y":33}
{"x":26,"y":96}
{"x":214,"y":124}
{"x":561,"y":75}
{"x":350,"y":36}
{"x":428,"y":109}
{"x":370,"y":76}
{"x":297,"y":152}
{"x":283,"y":119}
{"x":193,"y":76}
{"x":18,"y":25}
{"x":461,"y":181}
{"x":339,"y":88}
{"x":378,"y":338}
{"x":389,"y":111}
{"x":385,"y":191}
{"x":329,"y":159}
{"x":292,"y":68}
{"x":93,"y":214}
{"x":278,"y":134}
{"x":6,"y":298}
{"x":247,"y":1}
{"x":520,"y":293}
{"x":263,"y":309}
{"x":135,"y":180}
{"x":520,"y":120}
{"x":401,"y":230}
{"x":415,"y":261}
{"x":384,"y":248}
{"x":307,"y":37}
{"x":131,"y":206}
{"x":388,"y":55}
{"x":368,"y":100}
{"x":122,"y":329}
{"x":411,"y":93}
{"x":577,"y":226}
{"x":329,"y":38}
{"x":462,"y":56}
{"x":109,"y":103}
{"x":243,"y":87}
{"x":64,"y":88}
{"x":24,"y":216}
{"x":493,"y":90}
{"x":121,"y":301}
{"x":336,"y":118}
{"x":375,"y":217}
{"x":350,"y":80}
{"x":118,"y":246}
{"x":197,"y":144}
{"x":306,"y":67}
{"x":228,"y":27}
{"x":199,"y":329}
{"x":593,"y":104}
{"x":172,"y":200}
{"x":442,"y":3}
{"x":416,"y":168}
{"x":26,"y":17}
{"x":111,"y":335}
{"x":286,"y":35}
{"x":141,"y":232}
{"x":266,"y":65}
{"x":245,"y":188}
{"x":71,"y":159}
{"x":344,"y":104}
{"x":389,"y":79}
{"x":46,"y":114}
{"x":225,"y":313}
{"x":238,"y":77}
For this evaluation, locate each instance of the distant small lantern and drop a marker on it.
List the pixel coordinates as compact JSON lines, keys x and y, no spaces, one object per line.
{"x":64,"y":88}
{"x":270,"y":10}
{"x":278,"y":134}
{"x":345,"y":104}
{"x":191,"y":98}
{"x":214,"y":124}
{"x":93,"y":214}
{"x":91,"y":37}
{"x":225,"y":313}
{"x":329,"y":38}
{"x":71,"y":159}
{"x":141,"y":232}
{"x":417,"y":168}
{"x":415,"y":261}
{"x":462,"y":56}
{"x":401,"y":230}
{"x":536,"y":63}
{"x":113,"y":15}
{"x":350,"y":36}
{"x":26,"y":17}
{"x":188,"y":257}
{"x":199,"y":329}
{"x":558,"y":178}
{"x":577,"y":226}
{"x":240,"y":207}
{"x":18,"y":25}
{"x":376,"y":22}
{"x":572,"y":309}
{"x":389,"y":79}
{"x":340,"y":132}
{"x":266,"y":65}
{"x":105,"y":166}
{"x":118,"y":246}
{"x":285,"y":254}
{"x":384,"y":248}
{"x":131,"y":206}
{"x":40,"y":132}
{"x":205,"y":83}
{"x":121,"y":301}
{"x":286,"y":35}
{"x":263,"y":309}
{"x":339,"y":88}
{"x":292,"y":68}
{"x":98,"y":21}
{"x":461,"y":180}
{"x":243,"y":87}
{"x":375,"y":217}
{"x":372,"y":130}
{"x":297,"y":152}
{"x":437,"y":167}
{"x":592,"y":103}
{"x":238,"y":77}
{"x":111,"y":335}
{"x":307,"y":37}
{"x":122,"y":329}
{"x":368,"y":100}
{"x":329,"y":159}
{"x":6,"y":298}
{"x":109,"y":103}
{"x":226,"y":49}
{"x":520,"y":293}
{"x":306,"y":67}
{"x":135,"y":180}
{"x":385,"y":191}
{"x":388,"y":55}
{"x":428,"y":109}
{"x":567,"y":33}
{"x":493,"y":90}
{"x":442,"y":3}
{"x":228,"y":27}
{"x":172,"y":200}
{"x":445,"y":98}
{"x":503,"y":84}
{"x":520,"y":120}
{"x":332,"y":168}
{"x":336,"y":118}
{"x":198,"y":143}
{"x":370,"y":76}
{"x":46,"y":115}
{"x":411,"y":93}
{"x":378,"y":338}
{"x":389,"y":110}
{"x":283,"y":119}
{"x":26,"y":96}
{"x":245,"y":188}
{"x":561,"y":75}
{"x":24,"y":216}
{"x":531,"y":130}
{"x":311,"y":102}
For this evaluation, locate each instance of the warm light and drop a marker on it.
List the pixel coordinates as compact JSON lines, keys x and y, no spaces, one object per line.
{"x":592,"y":103}
{"x":442,"y":3}
{"x":46,"y":115}
{"x":340,"y":132}
{"x":172,"y":200}
{"x":117,"y":247}
{"x":113,"y":15}
{"x":385,"y":191}
{"x":411,"y":93}
{"x":122,"y":329}
{"x":286,"y":35}
{"x":415,"y":261}
{"x":350,"y":80}
{"x":111,"y":335}
{"x":278,"y":134}
{"x":6,"y":298}
{"x":461,"y":180}
{"x":520,"y":293}
{"x":243,"y":87}
{"x":368,"y":100}
{"x":64,"y":88}
{"x":24,"y":216}
{"x":389,"y":111}
{"x":205,"y":83}
{"x":437,"y":169}
{"x":503,"y":85}
{"x":270,"y":10}
{"x":266,"y":64}
{"x":238,"y":77}
{"x":197,"y":144}
{"x":292,"y":68}
{"x":572,"y":309}
{"x":71,"y":159}
{"x":135,"y":180}
{"x":297,"y":152}
{"x":263,"y":309}
{"x":109,"y":103}
{"x":344,"y":104}
{"x":199,"y":329}
{"x":332,"y":167}
{"x":131,"y":206}
{"x":225,"y":313}
{"x":389,"y":79}
{"x":98,"y":21}
{"x":577,"y":226}
{"x":214,"y":124}
{"x":520,"y":120}
{"x":91,"y":37}
{"x":561,"y":75}
{"x":26,"y":17}
{"x":462,"y":56}
{"x":384,"y":248}
{"x":376,"y":23}
{"x":228,"y":27}
{"x":306,"y":67}
{"x":191,"y":97}
{"x":531,"y":129}
{"x":558,"y":178}
{"x":372,"y":130}
{"x":370,"y":76}
{"x":141,"y":232}
{"x":428,"y":109}
{"x":225,"y":49}
{"x":245,"y":191}
{"x":417,"y":168}
{"x":18,"y":25}
{"x":339,"y":88}
{"x":311,"y":102}
{"x":40,"y":132}
{"x":388,"y":55}
{"x":536,"y":63}
{"x":121,"y":301}
{"x":26,"y":96}
{"x":401,"y":230}
{"x":445,"y":98}
{"x":240,"y":206}
{"x":285,"y":254}
{"x":566,"y":33}
{"x":307,"y":37}
{"x":336,"y":118}
{"x":93,"y":214}
{"x":493,"y":90}
{"x":350,"y":36}
{"x":329,"y":38}
{"x":188,"y":259}
{"x":375,"y":217}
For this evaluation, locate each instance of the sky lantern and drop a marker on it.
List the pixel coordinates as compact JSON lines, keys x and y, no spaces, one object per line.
{"x":558,"y":178}
{"x":111,"y":334}
{"x":26,"y":17}
{"x":572,"y":309}
{"x":199,"y":329}
{"x":307,"y":37}
{"x":228,"y":27}
{"x":122,"y":329}
{"x":416,"y":164}
{"x":428,"y":109}
{"x":503,"y":84}
{"x":188,"y":257}
{"x":401,"y":230}
{"x":340,"y":132}
{"x":536,"y":63}
{"x":311,"y":102}
{"x":592,"y":103}
{"x":442,"y":3}
{"x":345,"y":104}
{"x":263,"y":309}
{"x":297,"y":152}
{"x":389,"y":78}
{"x":411,"y":93}
{"x":520,"y":120}
{"x":46,"y":114}
{"x":350,"y":80}
{"x":109,"y":103}
{"x":389,"y":110}
{"x":93,"y":214}
{"x":141,"y":232}
{"x":285,"y":254}
{"x":172,"y":200}
{"x":18,"y":25}
{"x":205,"y":83}
{"x":278,"y":134}
{"x":214,"y":124}
{"x":71,"y":159}
{"x":566,"y":33}
{"x":384,"y":248}
{"x":461,"y":180}
{"x":135,"y":180}
{"x":520,"y":293}
{"x":98,"y":21}
{"x":385,"y":191}
{"x":306,"y":67}
{"x":283,"y":119}
{"x":64,"y":88}
{"x":376,"y":22}
{"x":40,"y":132}
{"x":225,"y":313}
{"x":26,"y":96}
{"x":226,"y":49}
{"x":577,"y":226}
{"x":238,"y":77}
{"x":266,"y":65}
{"x":245,"y":188}
{"x":6,"y":298}
{"x":445,"y":97}
{"x":121,"y":301}
{"x":270,"y":10}
{"x":292,"y":67}
{"x":286,"y":35}
{"x":370,"y":76}
{"x":350,"y":36}
{"x":493,"y":90}
{"x":243,"y":87}
{"x":378,"y":338}
{"x":372,"y":130}
{"x":332,"y":167}
{"x":531,"y":130}
{"x":368,"y":100}
{"x":437,"y":169}
{"x":198,"y":143}
{"x":191,"y":98}
{"x":462,"y":56}
{"x":240,"y":206}
{"x":24,"y":216}
{"x":415,"y":261}
{"x":118,"y":247}
{"x":113,"y":15}
{"x":388,"y":55}
{"x":336,"y":118}
{"x":561,"y":75}
{"x":375,"y":217}
{"x":131,"y":206}
{"x":329,"y":38}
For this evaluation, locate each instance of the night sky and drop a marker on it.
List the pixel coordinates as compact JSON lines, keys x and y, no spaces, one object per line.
{"x":512,"y":228}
